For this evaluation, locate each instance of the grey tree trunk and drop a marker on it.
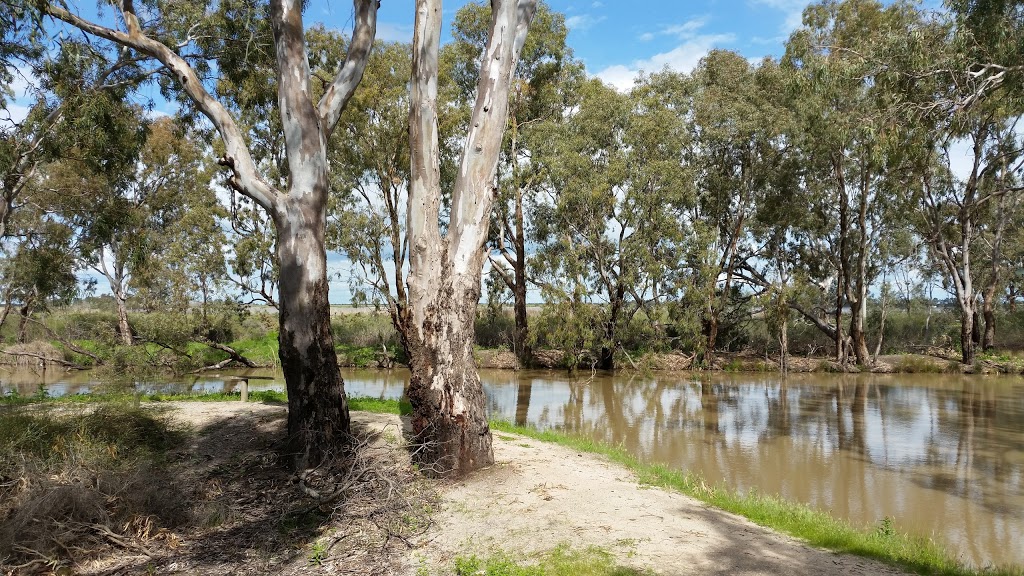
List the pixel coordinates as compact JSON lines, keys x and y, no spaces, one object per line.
{"x":449,"y":417}
{"x":524,"y":352}
{"x":318,"y":418}
{"x":318,"y":413}
{"x":988,"y":339}
{"x":857,"y":335}
{"x":449,"y":413}
{"x":967,"y":349}
{"x":124,"y":329}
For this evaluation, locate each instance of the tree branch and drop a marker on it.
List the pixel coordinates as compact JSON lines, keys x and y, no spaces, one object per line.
{"x":246,"y":178}
{"x":344,"y":85}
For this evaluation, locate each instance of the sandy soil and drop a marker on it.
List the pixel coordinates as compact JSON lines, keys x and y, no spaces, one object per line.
{"x":540,"y":495}
{"x":536,"y":497}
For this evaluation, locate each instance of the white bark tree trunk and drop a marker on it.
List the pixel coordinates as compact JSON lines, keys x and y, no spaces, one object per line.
{"x":318,"y":412}
{"x":449,"y":415}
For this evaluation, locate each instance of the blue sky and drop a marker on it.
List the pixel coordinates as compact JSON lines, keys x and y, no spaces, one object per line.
{"x":617,"y":38}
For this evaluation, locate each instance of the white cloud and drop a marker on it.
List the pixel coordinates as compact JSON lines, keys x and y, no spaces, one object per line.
{"x":391,"y":32}
{"x":682,"y":58}
{"x":687,"y":29}
{"x":792,"y":9}
{"x":582,"y":21}
{"x":13,"y":114}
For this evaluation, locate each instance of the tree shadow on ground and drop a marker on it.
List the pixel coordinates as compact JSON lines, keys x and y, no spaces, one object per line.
{"x":248,"y":514}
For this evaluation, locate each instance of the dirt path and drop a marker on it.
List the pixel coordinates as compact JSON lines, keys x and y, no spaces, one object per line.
{"x":537,"y":497}
{"x":540,"y":495}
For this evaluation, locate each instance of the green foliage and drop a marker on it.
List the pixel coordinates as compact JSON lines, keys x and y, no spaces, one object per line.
{"x":574,"y":328}
{"x":364,"y":330}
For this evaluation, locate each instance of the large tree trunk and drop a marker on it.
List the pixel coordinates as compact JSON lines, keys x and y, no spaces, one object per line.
{"x":988,"y":339}
{"x":857,"y":334}
{"x":607,"y":358}
{"x":449,"y":412}
{"x":25,"y":312}
{"x":318,"y":417}
{"x":967,"y":314}
{"x":523,"y":349}
{"x":124,"y":329}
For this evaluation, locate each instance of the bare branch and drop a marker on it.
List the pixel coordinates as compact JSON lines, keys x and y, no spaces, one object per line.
{"x":344,"y":85}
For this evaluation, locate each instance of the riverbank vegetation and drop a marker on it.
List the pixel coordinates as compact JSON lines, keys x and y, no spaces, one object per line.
{"x":84,"y":335}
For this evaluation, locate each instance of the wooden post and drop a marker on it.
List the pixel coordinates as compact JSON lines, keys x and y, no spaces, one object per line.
{"x":245,"y":389}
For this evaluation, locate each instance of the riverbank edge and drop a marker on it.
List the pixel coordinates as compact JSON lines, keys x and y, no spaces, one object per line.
{"x":818,"y":528}
{"x":262,"y":353}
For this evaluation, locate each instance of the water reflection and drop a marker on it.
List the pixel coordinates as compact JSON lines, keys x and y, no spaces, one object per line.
{"x":943,"y":455}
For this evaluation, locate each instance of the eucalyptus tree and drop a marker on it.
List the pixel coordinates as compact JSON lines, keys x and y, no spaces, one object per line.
{"x":126,"y":223}
{"x":39,"y":270}
{"x":608,"y":220}
{"x":445,"y":269}
{"x":170,"y":39}
{"x":739,"y":150}
{"x":78,"y":107}
{"x":962,"y":213}
{"x":544,"y":78}
{"x":852,"y":136}
{"x":371,"y":179}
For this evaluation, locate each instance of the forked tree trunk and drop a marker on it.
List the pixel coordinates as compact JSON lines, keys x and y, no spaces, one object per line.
{"x":449,"y":413}
{"x":124,"y":329}
{"x":967,"y":329}
{"x":858,"y":337}
{"x":524,"y":351}
{"x":318,"y":418}
{"x":988,"y":339}
{"x":25,"y":312}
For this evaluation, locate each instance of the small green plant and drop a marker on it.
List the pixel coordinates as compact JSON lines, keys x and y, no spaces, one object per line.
{"x":886,"y":528}
{"x":318,"y":553}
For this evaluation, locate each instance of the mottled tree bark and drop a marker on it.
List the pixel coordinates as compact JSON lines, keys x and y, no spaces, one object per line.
{"x":449,"y":414}
{"x":318,"y":419}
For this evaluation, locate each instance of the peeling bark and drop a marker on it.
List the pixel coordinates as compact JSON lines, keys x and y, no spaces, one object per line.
{"x":449,"y":416}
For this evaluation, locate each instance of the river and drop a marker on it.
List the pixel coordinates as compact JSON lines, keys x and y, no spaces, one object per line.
{"x":941,"y":455}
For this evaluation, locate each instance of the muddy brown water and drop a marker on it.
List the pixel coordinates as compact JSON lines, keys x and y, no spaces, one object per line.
{"x":941,"y":455}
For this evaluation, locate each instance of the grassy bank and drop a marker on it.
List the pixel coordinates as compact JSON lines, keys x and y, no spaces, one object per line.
{"x":821,"y":529}
{"x":881,"y":542}
{"x":561,"y":561}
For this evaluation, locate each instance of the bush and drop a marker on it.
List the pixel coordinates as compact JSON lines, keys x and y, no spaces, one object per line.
{"x":495,"y":327}
{"x":364,"y":330}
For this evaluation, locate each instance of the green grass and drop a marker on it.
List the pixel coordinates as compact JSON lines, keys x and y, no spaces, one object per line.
{"x":380,"y":405}
{"x":561,"y":561}
{"x":916,"y":554}
{"x":262,"y":350}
